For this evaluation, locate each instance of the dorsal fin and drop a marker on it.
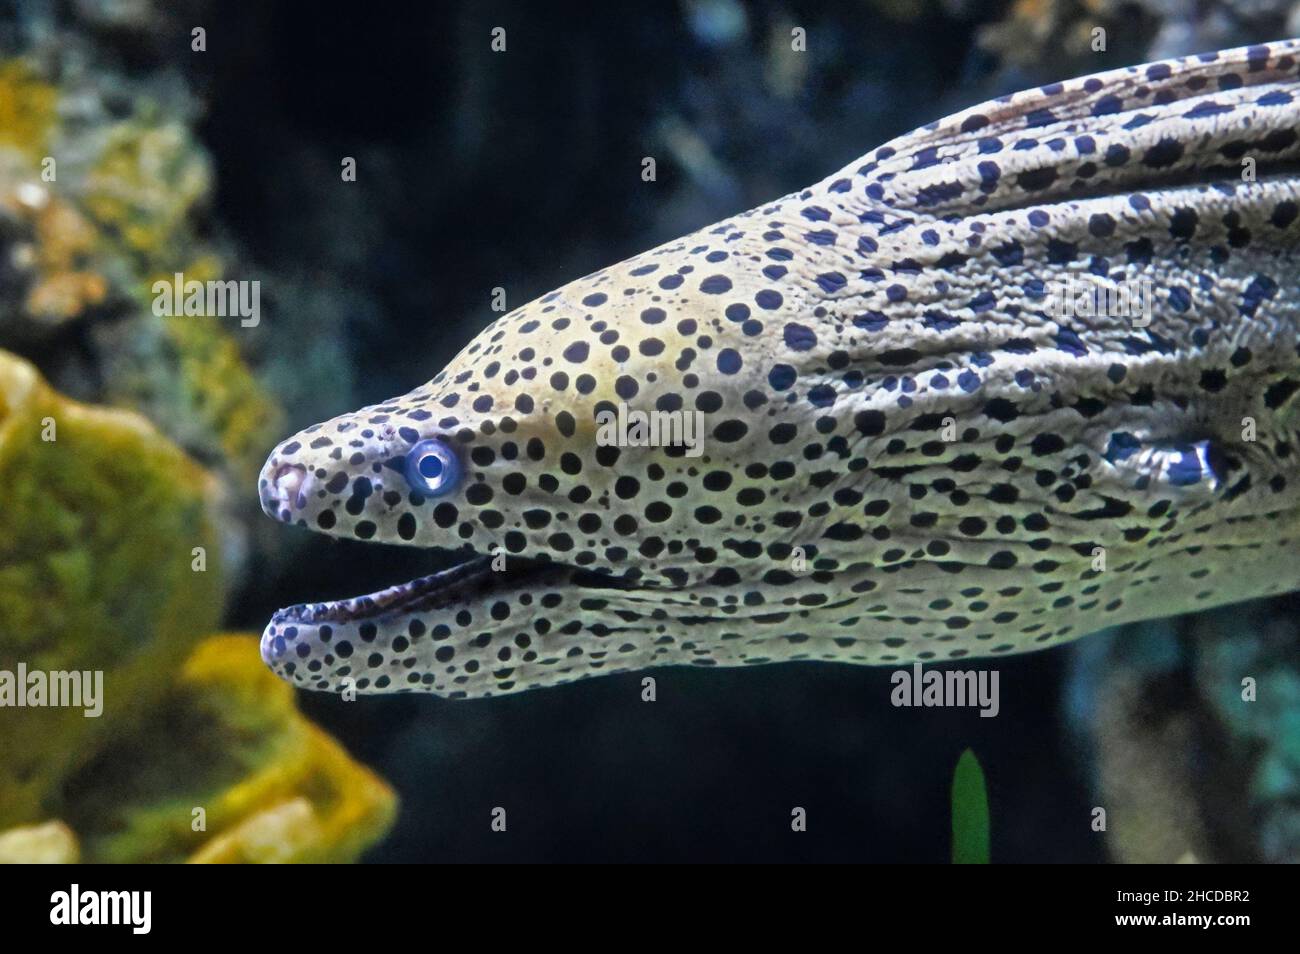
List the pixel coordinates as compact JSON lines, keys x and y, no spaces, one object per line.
{"x":1152,"y":126}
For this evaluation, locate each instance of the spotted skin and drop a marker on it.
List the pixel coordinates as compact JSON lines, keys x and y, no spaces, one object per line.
{"x":906,"y":456}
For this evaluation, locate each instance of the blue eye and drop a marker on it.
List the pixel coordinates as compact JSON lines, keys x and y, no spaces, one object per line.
{"x":432,"y":468}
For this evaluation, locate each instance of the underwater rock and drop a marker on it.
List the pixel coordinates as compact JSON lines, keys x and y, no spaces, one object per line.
{"x":1245,"y":668}
{"x":1147,"y":775}
{"x":52,"y":843}
{"x":306,"y":800}
{"x":1064,"y":37}
{"x":111,"y":561}
{"x":1194,"y":724}
{"x":27,"y":109}
{"x":99,"y":508}
{"x":104,"y":190}
{"x":228,"y":752}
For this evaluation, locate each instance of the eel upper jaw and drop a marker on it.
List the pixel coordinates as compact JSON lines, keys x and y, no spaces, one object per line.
{"x":442,"y":590}
{"x":286,"y":490}
{"x":472,"y":579}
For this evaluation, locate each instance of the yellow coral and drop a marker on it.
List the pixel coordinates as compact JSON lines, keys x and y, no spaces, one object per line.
{"x":233,"y":774}
{"x":51,"y":843}
{"x":144,"y":186}
{"x":98,"y":571}
{"x":309,"y":803}
{"x":65,"y":243}
{"x":120,"y":218}
{"x":221,"y":391}
{"x":100,"y":518}
{"x":26,"y":109}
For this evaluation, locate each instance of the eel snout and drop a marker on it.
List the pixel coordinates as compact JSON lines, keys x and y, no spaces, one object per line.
{"x":285,"y":488}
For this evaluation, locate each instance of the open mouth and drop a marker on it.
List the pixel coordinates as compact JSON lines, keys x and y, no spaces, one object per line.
{"x":414,"y":635}
{"x":437,"y":591}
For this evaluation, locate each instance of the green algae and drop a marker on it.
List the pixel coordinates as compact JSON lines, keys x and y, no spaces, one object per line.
{"x":110,"y":560}
{"x":970,"y":812}
{"x":129,"y":206}
{"x":27,"y":109}
{"x":104,"y":511}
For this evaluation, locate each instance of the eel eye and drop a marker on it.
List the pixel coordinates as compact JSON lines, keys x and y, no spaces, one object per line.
{"x":432,"y":468}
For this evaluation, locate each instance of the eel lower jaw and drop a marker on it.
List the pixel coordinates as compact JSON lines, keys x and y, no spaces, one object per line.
{"x":313,"y":644}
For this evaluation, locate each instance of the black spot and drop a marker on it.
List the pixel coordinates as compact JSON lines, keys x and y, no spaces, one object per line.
{"x":1213,"y":379}
{"x":1000,"y":409}
{"x":445,"y":514}
{"x":730,"y":431}
{"x":1284,"y":213}
{"x":1046,"y":443}
{"x":1101,"y":225}
{"x":1278,"y":394}
{"x":1182,"y":224}
{"x":900,"y":356}
{"x":717,"y":480}
{"x":870,"y":423}
{"x":1035,"y":180}
{"x":576,"y":353}
{"x":799,"y":337}
{"x":1164,"y":153}
{"x":782,"y":433}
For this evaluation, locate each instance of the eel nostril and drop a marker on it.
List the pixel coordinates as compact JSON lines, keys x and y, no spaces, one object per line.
{"x":290,"y":482}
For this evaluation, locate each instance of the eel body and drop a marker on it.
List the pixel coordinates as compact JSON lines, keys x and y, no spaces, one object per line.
{"x":913,"y":444}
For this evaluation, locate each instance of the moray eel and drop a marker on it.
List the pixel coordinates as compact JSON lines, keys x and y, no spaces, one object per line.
{"x":906,"y":454}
